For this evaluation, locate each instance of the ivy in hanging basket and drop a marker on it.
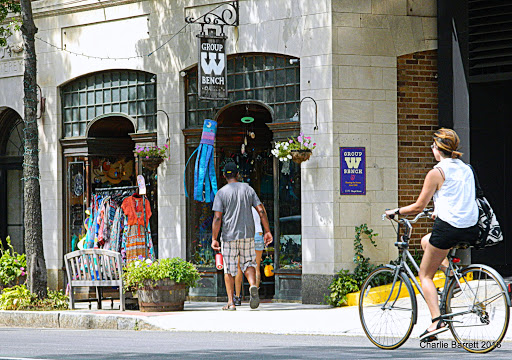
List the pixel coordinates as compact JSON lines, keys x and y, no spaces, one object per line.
{"x":299,"y":147}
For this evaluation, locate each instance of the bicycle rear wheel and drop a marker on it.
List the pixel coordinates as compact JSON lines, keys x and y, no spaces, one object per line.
{"x":387,"y":310}
{"x":483,"y":300}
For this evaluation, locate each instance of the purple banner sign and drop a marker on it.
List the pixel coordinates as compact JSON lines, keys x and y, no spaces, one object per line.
{"x":352,"y":171}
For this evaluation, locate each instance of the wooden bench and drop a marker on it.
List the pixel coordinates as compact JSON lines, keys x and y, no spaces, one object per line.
{"x":94,"y":267}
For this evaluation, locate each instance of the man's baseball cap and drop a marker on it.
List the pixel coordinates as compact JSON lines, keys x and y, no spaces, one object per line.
{"x":230,"y":168}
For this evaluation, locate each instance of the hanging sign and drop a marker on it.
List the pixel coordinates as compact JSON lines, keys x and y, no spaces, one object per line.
{"x":353,"y":171}
{"x":212,"y":71}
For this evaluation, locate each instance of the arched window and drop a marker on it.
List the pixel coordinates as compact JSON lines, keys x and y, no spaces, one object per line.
{"x":123,"y":91}
{"x":272,"y":79}
{"x":11,"y":173}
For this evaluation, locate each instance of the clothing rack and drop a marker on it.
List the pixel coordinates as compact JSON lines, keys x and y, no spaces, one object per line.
{"x":117,"y":188}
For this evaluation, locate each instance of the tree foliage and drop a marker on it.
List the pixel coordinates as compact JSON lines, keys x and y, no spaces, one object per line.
{"x":8,"y":7}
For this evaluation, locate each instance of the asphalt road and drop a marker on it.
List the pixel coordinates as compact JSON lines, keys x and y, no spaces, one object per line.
{"x":151,"y":345}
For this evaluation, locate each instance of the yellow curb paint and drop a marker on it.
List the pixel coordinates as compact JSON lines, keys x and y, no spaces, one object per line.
{"x":381,"y":293}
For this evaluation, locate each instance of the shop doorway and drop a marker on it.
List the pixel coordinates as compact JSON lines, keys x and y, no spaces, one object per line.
{"x":244,"y":138}
{"x":11,"y":184}
{"x":248,"y":143}
{"x":108,"y":162}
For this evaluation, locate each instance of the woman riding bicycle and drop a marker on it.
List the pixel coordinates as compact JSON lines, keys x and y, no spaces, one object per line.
{"x":452,"y":185}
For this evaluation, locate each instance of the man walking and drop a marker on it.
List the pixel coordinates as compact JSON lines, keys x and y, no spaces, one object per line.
{"x":232,"y":209}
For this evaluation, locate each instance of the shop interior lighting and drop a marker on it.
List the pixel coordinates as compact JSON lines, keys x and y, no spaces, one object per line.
{"x":247,"y":119}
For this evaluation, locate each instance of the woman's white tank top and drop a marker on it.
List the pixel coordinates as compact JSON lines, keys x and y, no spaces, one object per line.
{"x":455,"y":201}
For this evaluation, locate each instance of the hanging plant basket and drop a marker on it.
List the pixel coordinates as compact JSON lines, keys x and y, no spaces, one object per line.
{"x":152,"y":163}
{"x":299,"y":156}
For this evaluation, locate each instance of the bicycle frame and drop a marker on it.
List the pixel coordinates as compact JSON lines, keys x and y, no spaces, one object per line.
{"x":403,"y":246}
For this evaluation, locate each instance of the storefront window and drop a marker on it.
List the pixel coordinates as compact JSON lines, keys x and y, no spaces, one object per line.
{"x":130,"y":92}
{"x":199,"y":219}
{"x":76,"y":198}
{"x":152,"y":195}
{"x":290,"y":238}
{"x":272,"y":79}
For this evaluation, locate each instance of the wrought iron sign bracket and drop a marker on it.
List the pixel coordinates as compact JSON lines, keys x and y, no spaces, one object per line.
{"x":229,"y":16}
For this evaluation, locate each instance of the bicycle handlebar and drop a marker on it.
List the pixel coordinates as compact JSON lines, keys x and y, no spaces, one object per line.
{"x":423,"y":214}
{"x":427,"y":212}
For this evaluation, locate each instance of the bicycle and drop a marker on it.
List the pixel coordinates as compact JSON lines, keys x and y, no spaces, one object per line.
{"x":474,"y":300}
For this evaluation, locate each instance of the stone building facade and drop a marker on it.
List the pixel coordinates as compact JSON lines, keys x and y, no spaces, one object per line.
{"x":126,"y":69}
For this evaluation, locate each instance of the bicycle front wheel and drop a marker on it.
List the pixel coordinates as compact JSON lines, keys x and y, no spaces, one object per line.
{"x":387,"y":309}
{"x":480,"y":310}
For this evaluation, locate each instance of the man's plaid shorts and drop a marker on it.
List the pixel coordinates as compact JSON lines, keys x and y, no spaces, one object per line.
{"x":231,"y":250}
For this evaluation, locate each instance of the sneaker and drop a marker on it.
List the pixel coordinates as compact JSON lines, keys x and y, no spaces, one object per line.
{"x":237,"y":300}
{"x":255,"y":297}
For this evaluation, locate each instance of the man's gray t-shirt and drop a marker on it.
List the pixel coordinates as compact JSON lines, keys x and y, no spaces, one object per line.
{"x":235,"y":200}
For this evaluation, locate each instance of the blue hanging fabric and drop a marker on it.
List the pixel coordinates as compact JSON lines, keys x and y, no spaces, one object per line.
{"x":205,"y":180}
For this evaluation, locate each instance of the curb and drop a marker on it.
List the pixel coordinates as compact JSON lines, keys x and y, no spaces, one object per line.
{"x":70,"y":320}
{"x":380,"y":293}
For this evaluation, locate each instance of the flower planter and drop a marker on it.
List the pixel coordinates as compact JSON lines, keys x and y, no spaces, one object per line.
{"x":299,"y":156}
{"x":165,"y":295}
{"x":152,"y":163}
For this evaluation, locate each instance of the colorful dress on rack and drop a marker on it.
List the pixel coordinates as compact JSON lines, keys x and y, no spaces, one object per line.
{"x":116,"y":232}
{"x":137,"y":230}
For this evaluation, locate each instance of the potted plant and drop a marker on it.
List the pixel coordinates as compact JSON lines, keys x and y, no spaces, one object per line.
{"x":152,"y":155}
{"x":298,"y":149}
{"x":161,"y":285}
{"x":12,"y":266}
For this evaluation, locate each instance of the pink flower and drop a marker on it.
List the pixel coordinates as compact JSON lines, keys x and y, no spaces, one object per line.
{"x":290,"y":141}
{"x":23,"y":273}
{"x":300,"y":138}
{"x":314,"y":144}
{"x":22,"y":268}
{"x":166,"y":146}
{"x":147,"y":156}
{"x":308,"y":137}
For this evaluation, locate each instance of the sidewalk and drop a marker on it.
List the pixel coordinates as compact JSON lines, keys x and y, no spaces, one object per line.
{"x":270,"y":318}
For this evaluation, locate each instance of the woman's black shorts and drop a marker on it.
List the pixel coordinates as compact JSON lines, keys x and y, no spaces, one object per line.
{"x":445,"y":236}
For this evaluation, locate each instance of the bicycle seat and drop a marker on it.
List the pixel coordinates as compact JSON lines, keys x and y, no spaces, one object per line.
{"x":462,"y":245}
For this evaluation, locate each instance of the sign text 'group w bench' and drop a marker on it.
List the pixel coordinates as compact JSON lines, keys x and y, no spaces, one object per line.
{"x":352,"y":171}
{"x":212,"y":74}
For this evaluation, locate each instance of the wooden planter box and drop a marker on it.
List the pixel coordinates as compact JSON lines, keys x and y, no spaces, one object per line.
{"x":288,"y":285}
{"x":211,"y":287}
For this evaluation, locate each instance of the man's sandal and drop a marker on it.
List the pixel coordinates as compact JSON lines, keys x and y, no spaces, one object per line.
{"x":431,"y":335}
{"x":229,"y":307}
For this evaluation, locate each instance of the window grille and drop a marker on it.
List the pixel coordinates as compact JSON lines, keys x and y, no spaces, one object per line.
{"x":272,"y":79}
{"x":129,"y":92}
